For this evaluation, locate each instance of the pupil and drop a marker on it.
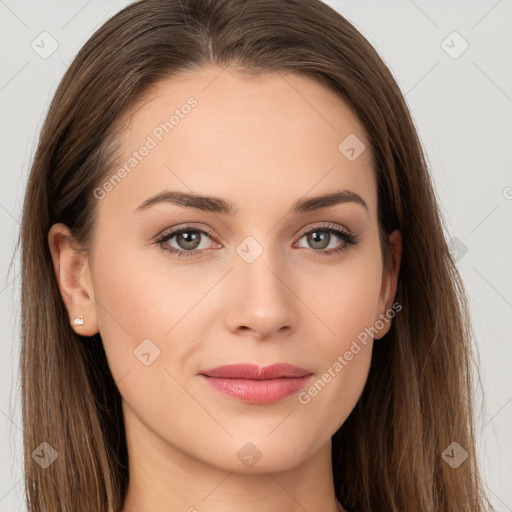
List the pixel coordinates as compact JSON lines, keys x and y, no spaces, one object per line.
{"x":319,"y":237}
{"x":190,"y":239}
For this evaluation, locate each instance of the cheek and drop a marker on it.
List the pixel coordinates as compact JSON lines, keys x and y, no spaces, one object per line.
{"x":344,"y":299}
{"x":146,"y":307}
{"x":334,"y":392}
{"x":346,"y":304}
{"x":128,"y":306}
{"x":343,"y":353}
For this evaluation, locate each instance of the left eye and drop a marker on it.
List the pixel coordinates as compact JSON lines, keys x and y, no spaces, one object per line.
{"x":321,"y":238}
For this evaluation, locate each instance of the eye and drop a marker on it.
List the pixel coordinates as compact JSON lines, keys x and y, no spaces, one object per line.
{"x":188,"y":239}
{"x":320,"y":238}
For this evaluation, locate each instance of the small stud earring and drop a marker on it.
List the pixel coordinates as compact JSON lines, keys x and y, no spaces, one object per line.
{"x":79,"y":320}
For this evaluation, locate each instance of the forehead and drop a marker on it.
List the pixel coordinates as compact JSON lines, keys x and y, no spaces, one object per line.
{"x":273,"y":136}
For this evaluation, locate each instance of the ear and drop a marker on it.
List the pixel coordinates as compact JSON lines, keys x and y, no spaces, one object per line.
{"x":389,"y":283}
{"x":74,"y":279}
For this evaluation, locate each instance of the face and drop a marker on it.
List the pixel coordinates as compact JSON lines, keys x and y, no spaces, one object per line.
{"x":180,"y":286}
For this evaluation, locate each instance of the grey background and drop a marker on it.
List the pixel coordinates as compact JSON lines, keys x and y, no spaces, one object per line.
{"x":462,"y":107}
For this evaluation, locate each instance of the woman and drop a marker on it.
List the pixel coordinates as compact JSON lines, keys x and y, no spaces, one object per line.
{"x":236,"y":290}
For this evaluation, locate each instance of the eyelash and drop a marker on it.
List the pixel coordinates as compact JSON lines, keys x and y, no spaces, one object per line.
{"x":349,"y":239}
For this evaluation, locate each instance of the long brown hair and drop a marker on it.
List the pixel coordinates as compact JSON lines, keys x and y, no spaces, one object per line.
{"x":387,"y":456}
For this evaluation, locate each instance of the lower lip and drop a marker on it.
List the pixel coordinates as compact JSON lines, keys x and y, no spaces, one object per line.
{"x":258,"y":391}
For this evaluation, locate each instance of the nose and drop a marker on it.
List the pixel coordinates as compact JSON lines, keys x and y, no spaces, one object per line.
{"x":262,"y":303}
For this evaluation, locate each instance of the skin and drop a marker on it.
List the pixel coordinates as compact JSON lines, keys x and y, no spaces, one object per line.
{"x":261,"y":143}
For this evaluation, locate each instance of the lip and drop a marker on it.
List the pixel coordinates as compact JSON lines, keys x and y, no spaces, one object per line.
{"x":255,"y":384}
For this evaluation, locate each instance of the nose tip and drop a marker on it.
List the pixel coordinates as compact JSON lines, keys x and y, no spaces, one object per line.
{"x":261,"y":302}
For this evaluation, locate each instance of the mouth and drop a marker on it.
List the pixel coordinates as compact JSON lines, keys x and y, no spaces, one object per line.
{"x":257,"y":385}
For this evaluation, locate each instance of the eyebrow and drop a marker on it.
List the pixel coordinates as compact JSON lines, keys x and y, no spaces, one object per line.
{"x":218,"y":205}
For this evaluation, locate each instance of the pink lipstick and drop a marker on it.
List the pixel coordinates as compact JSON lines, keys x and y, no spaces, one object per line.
{"x":255,"y":384}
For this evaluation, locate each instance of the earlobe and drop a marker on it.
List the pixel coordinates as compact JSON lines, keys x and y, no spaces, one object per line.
{"x":73,"y":277}
{"x":389,"y":283}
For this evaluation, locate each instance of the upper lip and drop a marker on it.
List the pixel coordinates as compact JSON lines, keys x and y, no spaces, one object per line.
{"x":254,"y":372}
